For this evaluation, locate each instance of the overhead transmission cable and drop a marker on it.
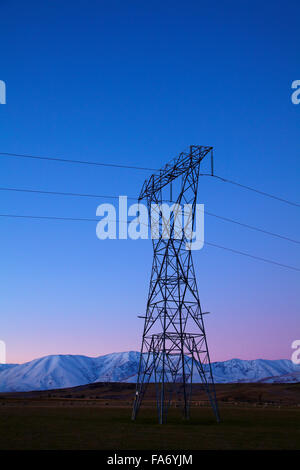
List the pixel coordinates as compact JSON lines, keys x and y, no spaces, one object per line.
{"x":133,"y":167}
{"x":81,"y":162}
{"x":98,"y":196}
{"x":262,"y":193}
{"x":80,"y":219}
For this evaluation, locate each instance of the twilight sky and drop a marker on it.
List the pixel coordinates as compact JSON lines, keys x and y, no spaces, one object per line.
{"x":135,"y":83}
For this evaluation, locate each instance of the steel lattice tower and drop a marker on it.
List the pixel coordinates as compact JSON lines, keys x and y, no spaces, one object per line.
{"x":174,"y":344}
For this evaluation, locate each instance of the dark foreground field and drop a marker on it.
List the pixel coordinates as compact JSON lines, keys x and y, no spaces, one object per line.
{"x":98,"y":417}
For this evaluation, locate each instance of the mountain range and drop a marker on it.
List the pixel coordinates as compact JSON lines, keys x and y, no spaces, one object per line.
{"x":62,"y":371}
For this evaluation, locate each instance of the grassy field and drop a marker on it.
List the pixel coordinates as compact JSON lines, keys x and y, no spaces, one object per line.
{"x":34,"y":425}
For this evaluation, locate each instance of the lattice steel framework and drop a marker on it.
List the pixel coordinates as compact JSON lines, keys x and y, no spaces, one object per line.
{"x":174,"y":345}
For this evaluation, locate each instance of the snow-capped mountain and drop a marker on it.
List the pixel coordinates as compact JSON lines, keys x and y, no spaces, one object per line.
{"x":258,"y":370}
{"x":62,"y":371}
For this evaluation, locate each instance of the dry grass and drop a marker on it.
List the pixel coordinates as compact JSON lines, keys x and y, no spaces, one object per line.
{"x":98,"y":427}
{"x":97,"y":416}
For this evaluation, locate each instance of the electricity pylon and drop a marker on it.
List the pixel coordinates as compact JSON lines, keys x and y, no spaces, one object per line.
{"x":174,"y":345}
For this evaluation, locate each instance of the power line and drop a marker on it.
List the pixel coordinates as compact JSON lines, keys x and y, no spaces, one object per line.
{"x":60,"y":193}
{"x":211,"y":214}
{"x":263,"y":193}
{"x":81,"y":162}
{"x":133,"y":167}
{"x":252,"y":227}
{"x":46,"y":217}
{"x":207,"y":243}
{"x":252,"y":256}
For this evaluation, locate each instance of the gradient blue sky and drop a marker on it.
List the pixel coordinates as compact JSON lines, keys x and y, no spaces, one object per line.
{"x":135,"y":83}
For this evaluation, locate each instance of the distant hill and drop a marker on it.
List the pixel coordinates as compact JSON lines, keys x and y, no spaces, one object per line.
{"x":62,"y":371}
